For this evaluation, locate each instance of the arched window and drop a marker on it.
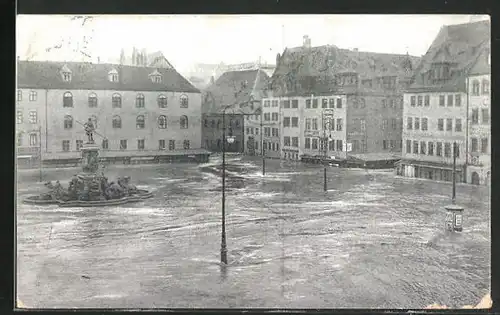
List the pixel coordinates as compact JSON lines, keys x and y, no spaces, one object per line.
{"x":184,"y":122}
{"x":140,"y":122}
{"x":162,"y":101}
{"x":68,"y":122}
{"x":213,"y":123}
{"x":475,"y":87}
{"x":184,"y":101}
{"x":139,"y":101}
{"x":33,"y":139}
{"x":93,"y":118}
{"x":92,"y":100}
{"x":68,"y":99}
{"x":162,"y":122}
{"x":486,"y":86}
{"x":117,"y":122}
{"x":116,"y":100}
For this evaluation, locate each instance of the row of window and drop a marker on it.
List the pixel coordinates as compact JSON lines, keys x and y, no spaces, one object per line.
{"x":116,"y":100}
{"x":427,"y":148}
{"x":294,"y":122}
{"x":416,"y":123}
{"x":271,"y":132}
{"x":140,"y":122}
{"x":33,"y":139}
{"x":67,"y":75}
{"x":474,"y":144}
{"x":392,"y":144}
{"x":425,"y":100}
{"x":325,"y":103}
{"x":329,"y":124}
{"x":484,"y":113}
{"x":395,"y":123}
{"x":314,"y":144}
{"x":271,"y":146}
{"x":250,"y":130}
{"x":212,"y":124}
{"x":269,"y":117}
{"x":476,"y":87}
{"x":123,"y":145}
{"x":32,"y":117}
{"x":32,"y":95}
{"x":293,"y":143}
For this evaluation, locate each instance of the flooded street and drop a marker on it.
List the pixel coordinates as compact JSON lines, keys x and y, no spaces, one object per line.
{"x":364,"y":243}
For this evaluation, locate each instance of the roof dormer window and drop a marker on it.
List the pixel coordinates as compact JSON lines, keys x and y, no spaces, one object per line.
{"x":156,"y":77}
{"x":66,"y":73}
{"x":113,"y":75}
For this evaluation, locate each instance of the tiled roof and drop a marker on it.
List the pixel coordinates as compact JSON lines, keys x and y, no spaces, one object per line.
{"x":321,"y":64}
{"x":91,"y":76}
{"x":234,"y":87}
{"x":459,"y":45}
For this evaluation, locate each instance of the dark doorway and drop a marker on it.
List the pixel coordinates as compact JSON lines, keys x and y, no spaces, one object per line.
{"x":475,"y":178}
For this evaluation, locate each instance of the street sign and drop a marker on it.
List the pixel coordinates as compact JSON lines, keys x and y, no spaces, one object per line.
{"x":311,"y":133}
{"x":328,"y":113}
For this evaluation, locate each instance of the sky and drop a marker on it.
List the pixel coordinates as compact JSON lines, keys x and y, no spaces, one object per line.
{"x":189,"y":39}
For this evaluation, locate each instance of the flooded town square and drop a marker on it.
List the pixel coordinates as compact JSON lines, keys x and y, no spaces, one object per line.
{"x":372,"y":240}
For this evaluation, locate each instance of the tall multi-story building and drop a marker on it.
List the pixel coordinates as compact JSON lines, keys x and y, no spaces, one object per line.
{"x":479,"y":122}
{"x":240,"y":93}
{"x":139,"y":112}
{"x":436,"y":105}
{"x":362,"y":90}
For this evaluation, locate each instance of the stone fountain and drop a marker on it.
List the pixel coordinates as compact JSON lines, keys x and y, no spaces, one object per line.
{"x":90,"y":188}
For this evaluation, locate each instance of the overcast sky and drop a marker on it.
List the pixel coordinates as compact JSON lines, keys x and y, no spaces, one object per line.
{"x":189,"y":39}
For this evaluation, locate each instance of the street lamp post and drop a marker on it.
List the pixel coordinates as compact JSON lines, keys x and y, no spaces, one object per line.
{"x":40,"y":151}
{"x":230,"y":140}
{"x":326,"y":119}
{"x":454,"y":215}
{"x":262,"y":143}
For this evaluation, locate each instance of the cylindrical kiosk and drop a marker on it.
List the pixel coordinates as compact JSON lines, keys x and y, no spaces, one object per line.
{"x":454,"y":218}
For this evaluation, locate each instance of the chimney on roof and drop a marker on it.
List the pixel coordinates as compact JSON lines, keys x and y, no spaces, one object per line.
{"x":134,"y":56}
{"x":122,"y":57}
{"x":144,"y":57}
{"x":306,"y":43}
{"x":212,"y":80}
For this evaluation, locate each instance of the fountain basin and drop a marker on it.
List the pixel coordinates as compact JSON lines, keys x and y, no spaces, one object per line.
{"x":136,"y":197}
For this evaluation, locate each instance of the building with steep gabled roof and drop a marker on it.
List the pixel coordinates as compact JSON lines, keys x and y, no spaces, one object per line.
{"x":239,"y":94}
{"x":364,"y":90}
{"x":140,"y":112}
{"x":437,"y":105}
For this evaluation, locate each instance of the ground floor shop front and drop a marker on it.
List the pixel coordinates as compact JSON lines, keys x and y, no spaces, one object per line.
{"x":436,"y":172}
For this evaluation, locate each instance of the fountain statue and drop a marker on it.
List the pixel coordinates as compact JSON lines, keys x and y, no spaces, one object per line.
{"x":90,"y":187}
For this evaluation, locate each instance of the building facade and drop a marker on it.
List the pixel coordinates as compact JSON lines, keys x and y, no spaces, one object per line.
{"x":479,"y":113}
{"x":353,"y":99}
{"x":238,"y":94}
{"x":438,"y":107}
{"x":137,"y":111}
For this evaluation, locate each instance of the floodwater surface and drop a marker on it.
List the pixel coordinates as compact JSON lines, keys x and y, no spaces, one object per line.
{"x":372,"y":240}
